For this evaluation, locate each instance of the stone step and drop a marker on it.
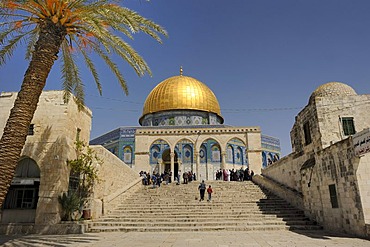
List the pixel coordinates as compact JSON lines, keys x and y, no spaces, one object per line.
{"x":194,"y":199}
{"x":201,"y":217}
{"x":208,"y":228}
{"x":211,"y":205}
{"x":161,"y":224}
{"x":196,"y":215}
{"x":235,"y":206}
{"x":203,"y":210}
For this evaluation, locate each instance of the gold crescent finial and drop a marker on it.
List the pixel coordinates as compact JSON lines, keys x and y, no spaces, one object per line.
{"x":180,"y":70}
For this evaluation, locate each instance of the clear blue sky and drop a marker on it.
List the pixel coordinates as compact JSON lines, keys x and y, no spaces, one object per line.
{"x":261,"y":58}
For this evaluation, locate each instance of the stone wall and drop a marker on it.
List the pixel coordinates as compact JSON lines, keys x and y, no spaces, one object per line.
{"x":336,"y":166}
{"x":291,"y":196}
{"x":116,"y":179}
{"x":363,"y":175}
{"x":286,"y":171}
{"x":330,"y":110}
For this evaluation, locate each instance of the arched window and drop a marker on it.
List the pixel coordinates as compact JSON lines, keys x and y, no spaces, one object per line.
{"x":24,"y":189}
{"x":216,"y":156}
{"x":203,"y":154}
{"x":230,"y":154}
{"x":239,"y":156}
{"x":127,"y":155}
{"x":27,"y":168}
{"x":187,"y":154}
{"x":154,"y":154}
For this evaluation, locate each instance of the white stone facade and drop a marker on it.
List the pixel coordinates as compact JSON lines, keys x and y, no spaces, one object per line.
{"x":250,"y":136}
{"x":323,"y":169}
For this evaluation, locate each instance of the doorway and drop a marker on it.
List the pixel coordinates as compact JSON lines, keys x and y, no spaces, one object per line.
{"x":166,"y":157}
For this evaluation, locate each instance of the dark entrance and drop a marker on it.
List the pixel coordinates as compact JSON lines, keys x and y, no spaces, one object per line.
{"x":21,"y":200}
{"x":166,"y":157}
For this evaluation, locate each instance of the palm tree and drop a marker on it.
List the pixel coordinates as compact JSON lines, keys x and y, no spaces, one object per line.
{"x":69,"y":26}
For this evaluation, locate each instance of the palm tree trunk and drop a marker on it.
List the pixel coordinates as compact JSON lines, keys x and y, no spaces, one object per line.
{"x":15,"y":132}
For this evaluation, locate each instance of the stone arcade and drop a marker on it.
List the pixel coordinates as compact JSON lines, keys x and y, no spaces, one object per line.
{"x":182,"y":129}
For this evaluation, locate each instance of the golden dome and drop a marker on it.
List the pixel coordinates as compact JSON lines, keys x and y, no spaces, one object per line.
{"x":181,"y":93}
{"x":332,"y":89}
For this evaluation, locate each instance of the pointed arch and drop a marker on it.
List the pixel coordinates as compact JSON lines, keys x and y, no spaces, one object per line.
{"x":230,"y":154}
{"x":236,"y":141}
{"x":185,"y":150}
{"x":127,"y":154}
{"x":203,"y":154}
{"x":236,"y":151}
{"x":156,"y":149}
{"x":239,"y":156}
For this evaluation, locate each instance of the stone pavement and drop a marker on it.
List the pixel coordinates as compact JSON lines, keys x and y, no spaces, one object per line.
{"x":187,"y":239}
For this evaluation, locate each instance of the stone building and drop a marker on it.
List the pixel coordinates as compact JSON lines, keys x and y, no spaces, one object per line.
{"x":327,"y":174}
{"x":42,"y":173}
{"x":182,"y":130}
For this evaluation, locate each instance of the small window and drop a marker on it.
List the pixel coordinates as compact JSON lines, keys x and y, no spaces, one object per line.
{"x":21,"y":197}
{"x":78,"y":134}
{"x":74,"y":181}
{"x":333,"y":196}
{"x":30,"y":130}
{"x":307,"y":133}
{"x":348,"y":126}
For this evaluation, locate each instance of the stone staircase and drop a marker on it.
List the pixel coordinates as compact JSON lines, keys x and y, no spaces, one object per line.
{"x":235,"y":206}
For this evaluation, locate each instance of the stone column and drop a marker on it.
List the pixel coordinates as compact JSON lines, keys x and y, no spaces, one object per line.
{"x":173,"y":165}
{"x":223,"y":164}
{"x":160,"y":167}
{"x":197,"y":163}
{"x":254,"y":152}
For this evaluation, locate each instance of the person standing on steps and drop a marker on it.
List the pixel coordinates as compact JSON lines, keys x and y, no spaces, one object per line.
{"x":202,"y":190}
{"x":209,"y":191}
{"x":178,"y":177}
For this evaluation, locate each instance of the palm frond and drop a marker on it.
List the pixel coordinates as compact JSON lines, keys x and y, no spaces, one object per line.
{"x":141,"y":21}
{"x":90,"y":65}
{"x":99,"y":25}
{"x":126,"y":52}
{"x":31,"y":44}
{"x":6,"y":52}
{"x":72,"y":83}
{"x":113,"y":67}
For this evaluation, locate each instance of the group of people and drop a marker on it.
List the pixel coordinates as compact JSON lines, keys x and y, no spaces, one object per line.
{"x":155,"y":179}
{"x":234,"y":175}
{"x":187,"y":176}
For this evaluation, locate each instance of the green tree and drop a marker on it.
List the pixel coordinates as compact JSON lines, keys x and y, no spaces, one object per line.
{"x":69,"y":26}
{"x":83,"y":169}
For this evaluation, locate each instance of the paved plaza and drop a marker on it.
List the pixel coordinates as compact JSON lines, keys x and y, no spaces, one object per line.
{"x":187,"y":239}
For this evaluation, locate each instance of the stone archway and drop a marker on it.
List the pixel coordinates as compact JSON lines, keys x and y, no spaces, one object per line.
{"x":21,"y":200}
{"x":166,"y":159}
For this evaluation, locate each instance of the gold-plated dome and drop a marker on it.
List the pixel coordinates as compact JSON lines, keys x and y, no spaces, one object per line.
{"x":332,"y":89}
{"x":181,"y":93}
